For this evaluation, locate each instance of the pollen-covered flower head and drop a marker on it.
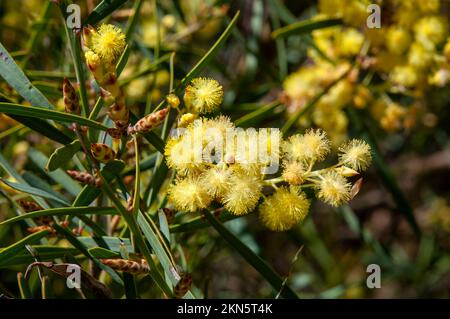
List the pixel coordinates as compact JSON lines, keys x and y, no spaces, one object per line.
{"x":356,"y":155}
{"x":293,"y":172}
{"x":108,"y":42}
{"x":183,"y":154}
{"x":284,"y":209}
{"x":203,"y":95}
{"x":243,"y":196}
{"x":189,"y":195}
{"x":333,"y":188}
{"x":311,"y":146}
{"x":217,"y":181}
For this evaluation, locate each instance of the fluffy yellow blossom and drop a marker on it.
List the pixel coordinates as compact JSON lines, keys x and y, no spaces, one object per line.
{"x":431,"y":31}
{"x":311,"y":146}
{"x":397,"y":40}
{"x":203,"y":95}
{"x":180,"y":154}
{"x":284,"y":209}
{"x":333,"y":189}
{"x":243,"y":195}
{"x":356,"y":155}
{"x":189,"y":195}
{"x":293,"y":172}
{"x":351,"y":41}
{"x":405,"y":76}
{"x":419,"y":57}
{"x":217,"y":181}
{"x":108,"y":42}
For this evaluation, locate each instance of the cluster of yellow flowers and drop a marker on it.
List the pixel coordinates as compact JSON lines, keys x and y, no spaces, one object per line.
{"x":102,"y":48}
{"x":210,"y":168}
{"x":408,"y":53}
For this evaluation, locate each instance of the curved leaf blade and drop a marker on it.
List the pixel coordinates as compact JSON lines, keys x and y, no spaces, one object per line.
{"x":39,"y":112}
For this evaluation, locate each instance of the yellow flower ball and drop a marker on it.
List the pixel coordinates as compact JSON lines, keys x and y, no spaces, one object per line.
{"x":355,"y":154}
{"x":333,"y":189}
{"x":203,"y":95}
{"x":108,"y":42}
{"x":189,"y":195}
{"x":284,"y":209}
{"x":243,"y":195}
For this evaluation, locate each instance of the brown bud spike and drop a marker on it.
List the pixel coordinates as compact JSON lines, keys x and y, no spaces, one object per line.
{"x":29,"y":206}
{"x":83,"y":177}
{"x":39,"y":228}
{"x":70,"y":97}
{"x":125,"y":265}
{"x":183,"y":285}
{"x":151,"y":121}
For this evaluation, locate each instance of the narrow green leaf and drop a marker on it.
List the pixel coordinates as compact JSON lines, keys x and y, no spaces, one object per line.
{"x":102,"y":10}
{"x":43,"y":127}
{"x":12,"y":172}
{"x":59,"y":176}
{"x":137,"y":180}
{"x":70,"y":211}
{"x":44,"y":252}
{"x":103,"y":253}
{"x":164,"y":225}
{"x":34,"y":191}
{"x":38,"y":182}
{"x":305,"y":27}
{"x":150,"y":232}
{"x":111,"y":243}
{"x":15,"y":248}
{"x":62,"y":155}
{"x":257,"y":262}
{"x":15,"y":77}
{"x":39,"y":112}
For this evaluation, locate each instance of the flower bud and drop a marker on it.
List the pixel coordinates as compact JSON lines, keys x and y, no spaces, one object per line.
{"x":29,"y":206}
{"x":86,"y":39}
{"x":186,"y":119}
{"x":129,"y":266}
{"x":119,"y":112}
{"x":183,"y":285}
{"x":173,"y":100}
{"x":102,"y":152}
{"x":85,"y":178}
{"x":149,"y":122}
{"x":347,"y":171}
{"x":70,"y":97}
